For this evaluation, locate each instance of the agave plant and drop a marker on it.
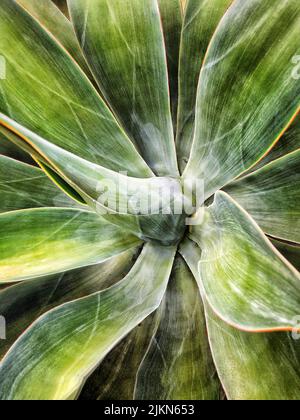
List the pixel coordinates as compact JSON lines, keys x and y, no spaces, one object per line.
{"x":149,"y":95}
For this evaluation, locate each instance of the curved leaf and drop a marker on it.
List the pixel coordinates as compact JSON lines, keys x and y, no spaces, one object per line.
{"x":70,"y":341}
{"x":255,"y":366}
{"x":23,"y":303}
{"x":251,"y":366}
{"x":115,"y":378}
{"x":200,"y":21}
{"x":50,"y":16}
{"x":128,"y":59}
{"x":38,"y":242}
{"x":271,"y":196}
{"x":247,"y":95}
{"x":24,"y":186}
{"x":178,"y":364}
{"x":47,"y":92}
{"x":244,"y":278}
{"x":143,"y":206}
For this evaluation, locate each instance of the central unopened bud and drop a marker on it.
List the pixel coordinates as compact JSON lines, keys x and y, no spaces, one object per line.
{"x":156,"y":209}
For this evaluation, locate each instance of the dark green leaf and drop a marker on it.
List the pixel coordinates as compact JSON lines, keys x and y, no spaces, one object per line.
{"x":128,"y":58}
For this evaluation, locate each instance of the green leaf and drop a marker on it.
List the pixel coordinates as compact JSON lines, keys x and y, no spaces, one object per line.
{"x":55,"y":240}
{"x":271,"y":196}
{"x":178,"y":364}
{"x":50,"y":16}
{"x":171,"y":14}
{"x":24,"y":186}
{"x":251,"y":366}
{"x":58,"y":352}
{"x":255,"y":366}
{"x":289,"y":142}
{"x":23,"y":303}
{"x":19,"y":142}
{"x":125,"y":201}
{"x":115,"y":379}
{"x":200,"y":21}
{"x":290,"y":251}
{"x":46,"y":92}
{"x":244,"y":279}
{"x":7,"y":148}
{"x":247,"y":93}
{"x":61,"y":183}
{"x":128,"y":59}
{"x":13,"y":142}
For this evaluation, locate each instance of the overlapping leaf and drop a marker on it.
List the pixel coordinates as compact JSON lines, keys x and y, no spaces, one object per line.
{"x":289,"y":142}
{"x":9,"y":149}
{"x":200,"y":21}
{"x":53,"y":240}
{"x":50,"y":16}
{"x":244,"y":278}
{"x":247,"y":95}
{"x":143,"y":206}
{"x":255,"y":366}
{"x":115,"y":379}
{"x":47,"y":92}
{"x":23,"y":303}
{"x":251,"y":366}
{"x":271,"y":196}
{"x":128,"y":59}
{"x":55,"y":356}
{"x":24,"y":186}
{"x":178,"y":364}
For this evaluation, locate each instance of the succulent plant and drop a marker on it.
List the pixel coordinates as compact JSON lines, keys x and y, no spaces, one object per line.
{"x":111,"y":115}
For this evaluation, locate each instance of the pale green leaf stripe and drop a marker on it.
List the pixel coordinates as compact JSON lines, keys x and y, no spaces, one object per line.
{"x":200,"y":21}
{"x":46,"y":91}
{"x":255,"y":366}
{"x":128,"y":59}
{"x":59,"y":351}
{"x":103,"y":189}
{"x":50,"y":16}
{"x":245,"y":280}
{"x":178,"y":364}
{"x":171,"y":15}
{"x":38,"y":242}
{"x":115,"y":379}
{"x":24,"y":186}
{"x":272,"y":196}
{"x":23,"y":303}
{"x":244,"y":105}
